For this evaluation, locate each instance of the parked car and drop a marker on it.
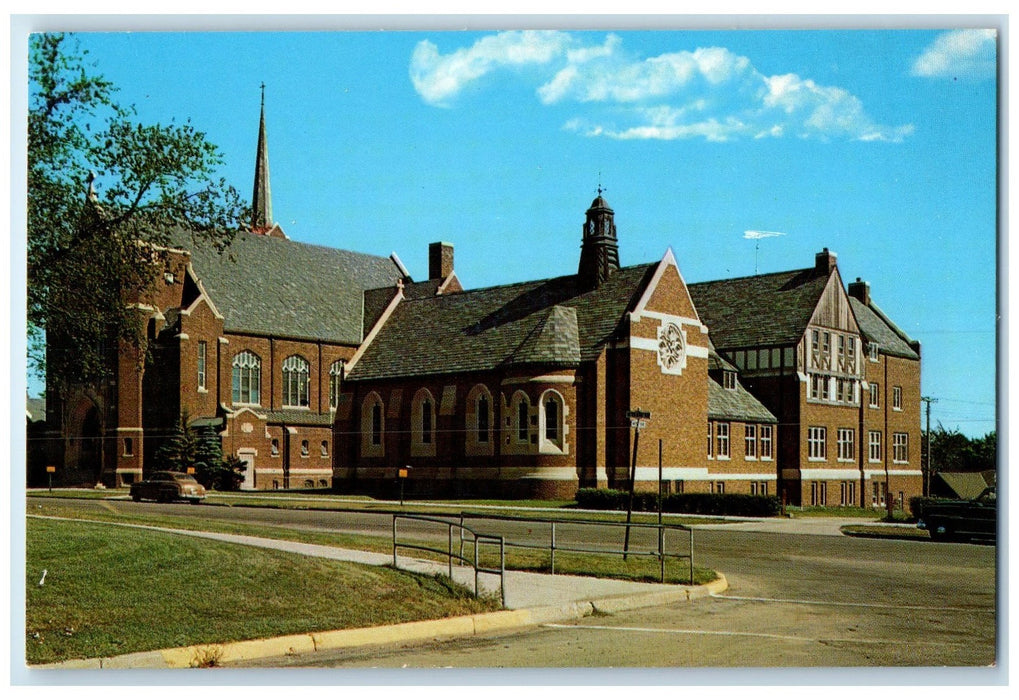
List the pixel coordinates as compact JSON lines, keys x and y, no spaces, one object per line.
{"x":168,"y":486}
{"x":962,"y":519}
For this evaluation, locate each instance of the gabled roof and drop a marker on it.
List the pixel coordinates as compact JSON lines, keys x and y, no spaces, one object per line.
{"x":556,"y":322}
{"x":878,"y":328}
{"x":736,"y":404}
{"x":769,"y":309}
{"x":281,"y":287}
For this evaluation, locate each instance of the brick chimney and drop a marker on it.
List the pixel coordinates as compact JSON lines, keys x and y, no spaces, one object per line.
{"x":440,"y":260}
{"x":860,"y":290}
{"x":824,"y":262}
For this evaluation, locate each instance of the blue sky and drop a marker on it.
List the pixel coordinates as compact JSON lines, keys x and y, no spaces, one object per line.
{"x":878,"y":144}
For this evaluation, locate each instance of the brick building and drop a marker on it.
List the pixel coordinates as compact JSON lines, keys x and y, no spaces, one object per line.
{"x":842,"y":379}
{"x":350,"y":371}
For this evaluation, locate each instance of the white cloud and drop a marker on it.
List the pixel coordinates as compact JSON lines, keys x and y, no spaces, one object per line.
{"x":710,"y":92}
{"x":438,"y":78}
{"x":962,"y":53}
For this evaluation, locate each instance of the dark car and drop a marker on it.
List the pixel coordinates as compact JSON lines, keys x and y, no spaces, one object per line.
{"x":168,"y":486}
{"x":963,"y":519}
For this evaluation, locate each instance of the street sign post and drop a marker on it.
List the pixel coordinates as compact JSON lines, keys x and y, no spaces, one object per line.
{"x":638,"y":420}
{"x":402,"y":474}
{"x":49,"y":474}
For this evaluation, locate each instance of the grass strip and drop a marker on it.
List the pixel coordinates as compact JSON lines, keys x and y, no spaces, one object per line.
{"x":889,"y":532}
{"x":634,"y":568}
{"x":559,"y":510}
{"x":108,"y":592}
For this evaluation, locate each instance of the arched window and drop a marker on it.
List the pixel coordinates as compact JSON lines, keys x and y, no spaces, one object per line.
{"x":247,"y":378}
{"x":480,"y":420}
{"x":335,"y":380}
{"x":422,"y":416}
{"x":296,"y":374}
{"x":373,"y":426}
{"x":522,"y":417}
{"x":482,"y":423}
{"x":552,"y":423}
{"x":325,"y":448}
{"x":305,"y":450}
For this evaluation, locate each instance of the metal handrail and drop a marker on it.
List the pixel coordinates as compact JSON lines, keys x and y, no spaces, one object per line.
{"x":554,"y":546}
{"x":476,"y":538}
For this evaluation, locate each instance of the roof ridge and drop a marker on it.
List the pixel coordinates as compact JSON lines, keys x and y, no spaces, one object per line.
{"x":746,"y":277}
{"x":526,"y":283}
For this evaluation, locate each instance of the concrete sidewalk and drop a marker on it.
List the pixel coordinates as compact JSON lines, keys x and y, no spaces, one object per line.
{"x":531,"y":599}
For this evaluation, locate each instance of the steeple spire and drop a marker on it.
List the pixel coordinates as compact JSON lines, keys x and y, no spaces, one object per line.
{"x":261,"y":199}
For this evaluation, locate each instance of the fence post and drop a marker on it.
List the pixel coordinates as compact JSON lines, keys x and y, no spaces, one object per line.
{"x":394,"y":541}
{"x":552,"y":549}
{"x":477,"y":591}
{"x":691,"y":557}
{"x":502,"y":568}
{"x":661,"y":549}
{"x":449,"y":551}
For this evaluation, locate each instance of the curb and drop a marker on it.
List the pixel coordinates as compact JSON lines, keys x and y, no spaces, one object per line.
{"x":207,"y":655}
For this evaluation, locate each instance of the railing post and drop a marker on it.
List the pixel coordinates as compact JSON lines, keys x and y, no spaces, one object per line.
{"x":461,"y":536}
{"x":449,"y":551}
{"x":502,"y":568}
{"x":477,"y":591}
{"x":661,"y":549}
{"x":394,"y":541}
{"x":691,"y":556}
{"x":552,"y":548}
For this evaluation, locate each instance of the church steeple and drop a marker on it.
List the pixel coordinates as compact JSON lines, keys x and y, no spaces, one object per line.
{"x":599,"y":251}
{"x":261,"y":199}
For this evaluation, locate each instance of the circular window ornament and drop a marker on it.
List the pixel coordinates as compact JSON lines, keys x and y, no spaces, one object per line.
{"x":671,"y":349}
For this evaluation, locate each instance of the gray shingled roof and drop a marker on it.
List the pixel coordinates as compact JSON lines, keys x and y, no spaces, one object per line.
{"x":556,"y":322}
{"x":281,"y":287}
{"x":876,"y":327}
{"x":736,"y":404}
{"x":761,"y":310}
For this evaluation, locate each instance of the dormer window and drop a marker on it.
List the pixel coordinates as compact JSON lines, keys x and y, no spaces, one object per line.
{"x":729,"y":380}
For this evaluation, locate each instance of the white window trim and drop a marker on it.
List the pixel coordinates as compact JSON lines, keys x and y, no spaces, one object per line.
{"x":871,"y":443}
{"x":723,"y":437}
{"x":821,"y":439}
{"x":368,"y":447}
{"x":418,"y":446}
{"x":851,"y":442}
{"x":560,"y":444}
{"x":770,"y":441}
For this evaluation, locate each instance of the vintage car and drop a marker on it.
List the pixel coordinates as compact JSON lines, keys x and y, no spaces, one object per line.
{"x":975,"y":519}
{"x":168,"y":486}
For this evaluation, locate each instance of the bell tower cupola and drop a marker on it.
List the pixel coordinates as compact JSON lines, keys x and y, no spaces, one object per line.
{"x":599,"y":250}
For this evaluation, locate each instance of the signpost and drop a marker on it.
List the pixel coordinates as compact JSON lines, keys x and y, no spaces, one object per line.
{"x":638,"y":420}
{"x":402,"y":474}
{"x":49,"y":474}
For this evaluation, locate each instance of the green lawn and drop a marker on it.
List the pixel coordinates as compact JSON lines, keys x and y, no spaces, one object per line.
{"x":110,"y":591}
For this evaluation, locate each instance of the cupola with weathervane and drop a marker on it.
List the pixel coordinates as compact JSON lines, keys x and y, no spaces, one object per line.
{"x":599,"y":250}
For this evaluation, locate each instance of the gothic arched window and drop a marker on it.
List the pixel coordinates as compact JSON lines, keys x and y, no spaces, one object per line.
{"x":247,"y":378}
{"x":296,"y":374}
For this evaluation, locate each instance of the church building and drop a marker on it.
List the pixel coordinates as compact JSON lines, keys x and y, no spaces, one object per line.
{"x":345,"y":375}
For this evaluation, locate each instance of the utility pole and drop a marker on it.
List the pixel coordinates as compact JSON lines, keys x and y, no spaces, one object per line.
{"x":927,"y":473}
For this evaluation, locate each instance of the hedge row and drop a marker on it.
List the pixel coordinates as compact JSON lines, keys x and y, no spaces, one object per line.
{"x":695,"y":503}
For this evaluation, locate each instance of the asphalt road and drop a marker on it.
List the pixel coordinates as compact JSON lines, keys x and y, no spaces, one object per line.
{"x":795,"y":600}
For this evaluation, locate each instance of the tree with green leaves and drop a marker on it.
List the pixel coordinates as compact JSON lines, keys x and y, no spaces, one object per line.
{"x":954,"y":452}
{"x":105,"y":196}
{"x":200,"y":448}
